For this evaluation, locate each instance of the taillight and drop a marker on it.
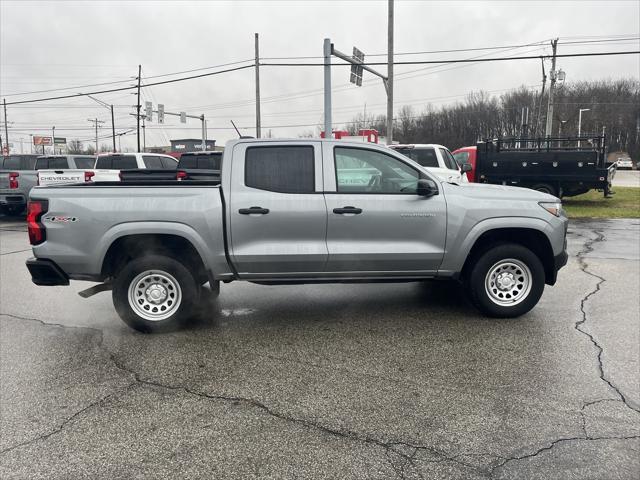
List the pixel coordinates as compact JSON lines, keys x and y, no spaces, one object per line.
{"x":181,"y":176}
{"x":88,"y":176}
{"x":35,"y":210}
{"x":13,"y":179}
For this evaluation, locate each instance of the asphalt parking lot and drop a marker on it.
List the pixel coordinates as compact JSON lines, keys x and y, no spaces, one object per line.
{"x":337,"y":381}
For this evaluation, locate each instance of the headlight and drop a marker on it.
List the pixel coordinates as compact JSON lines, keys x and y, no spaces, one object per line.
{"x":554,"y":208}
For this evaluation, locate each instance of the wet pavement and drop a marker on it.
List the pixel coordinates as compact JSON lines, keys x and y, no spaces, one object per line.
{"x":333,"y":381}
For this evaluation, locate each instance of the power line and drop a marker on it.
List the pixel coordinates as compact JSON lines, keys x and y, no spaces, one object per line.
{"x":417,"y":62}
{"x":461,"y":60}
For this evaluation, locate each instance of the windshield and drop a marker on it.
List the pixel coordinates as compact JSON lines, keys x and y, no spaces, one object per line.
{"x":461,"y":158}
{"x":210,"y":161}
{"x":423,"y":156}
{"x":116,"y":162}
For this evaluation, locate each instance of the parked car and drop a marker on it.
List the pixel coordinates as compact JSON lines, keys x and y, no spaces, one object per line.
{"x":436,"y":158}
{"x":107,"y":168}
{"x":17,"y":177}
{"x":281,"y":214}
{"x":54,"y":169}
{"x":623,"y":163}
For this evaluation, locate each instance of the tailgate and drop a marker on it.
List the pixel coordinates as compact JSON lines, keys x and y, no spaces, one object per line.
{"x":58,"y":177}
{"x":4,"y":180}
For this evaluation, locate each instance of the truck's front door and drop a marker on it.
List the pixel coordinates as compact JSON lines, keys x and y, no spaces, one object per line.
{"x":277,"y":211}
{"x":377,"y":224}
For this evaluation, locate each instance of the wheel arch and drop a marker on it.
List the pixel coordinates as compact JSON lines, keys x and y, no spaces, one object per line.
{"x":128,"y":246}
{"x":533,"y":239}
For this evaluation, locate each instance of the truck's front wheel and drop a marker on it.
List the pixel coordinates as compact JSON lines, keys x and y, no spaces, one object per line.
{"x":154,"y":293}
{"x":506,"y":281}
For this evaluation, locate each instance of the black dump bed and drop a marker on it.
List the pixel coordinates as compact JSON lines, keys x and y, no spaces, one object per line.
{"x":563,"y":166}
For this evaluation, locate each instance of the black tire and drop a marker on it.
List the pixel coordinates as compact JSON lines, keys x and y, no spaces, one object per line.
{"x":158,"y":272}
{"x":545,"y":188}
{"x":511,"y":257}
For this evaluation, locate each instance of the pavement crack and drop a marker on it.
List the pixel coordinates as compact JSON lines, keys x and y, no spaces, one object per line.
{"x":579,"y":325}
{"x":551,"y":445}
{"x":66,"y":422}
{"x":16,"y":251}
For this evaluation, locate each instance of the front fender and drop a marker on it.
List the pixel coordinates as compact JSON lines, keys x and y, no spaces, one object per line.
{"x":460,"y":243}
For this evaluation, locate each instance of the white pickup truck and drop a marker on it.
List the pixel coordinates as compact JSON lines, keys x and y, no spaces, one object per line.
{"x":435,"y":158}
{"x":105,"y":168}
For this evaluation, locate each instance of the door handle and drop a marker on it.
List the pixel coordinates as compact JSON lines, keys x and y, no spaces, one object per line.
{"x":253,"y":210}
{"x":353,"y":210}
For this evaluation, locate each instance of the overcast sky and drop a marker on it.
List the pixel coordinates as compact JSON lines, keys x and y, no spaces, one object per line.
{"x":50,"y":45}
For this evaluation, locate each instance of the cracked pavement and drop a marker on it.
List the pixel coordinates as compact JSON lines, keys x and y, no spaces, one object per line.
{"x":336,"y":381}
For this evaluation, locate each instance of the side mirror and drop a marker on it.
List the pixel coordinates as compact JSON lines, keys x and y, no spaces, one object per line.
{"x":466,"y":167}
{"x":427,"y":188}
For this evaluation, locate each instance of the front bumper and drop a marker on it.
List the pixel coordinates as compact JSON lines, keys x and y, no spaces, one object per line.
{"x":46,"y":272}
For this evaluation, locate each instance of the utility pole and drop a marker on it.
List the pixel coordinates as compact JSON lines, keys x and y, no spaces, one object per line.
{"x":138,"y":106}
{"x":327,"y":48}
{"x":390,"y":75}
{"x":6,"y":130}
{"x":53,"y":140}
{"x":113,"y":130}
{"x":95,"y":122}
{"x":257,"y":88}
{"x":553,"y":74}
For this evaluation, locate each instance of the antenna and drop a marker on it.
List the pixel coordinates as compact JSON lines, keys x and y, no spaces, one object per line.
{"x":238,"y":131}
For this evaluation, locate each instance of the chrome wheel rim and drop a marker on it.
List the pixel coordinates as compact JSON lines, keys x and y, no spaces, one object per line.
{"x":508,"y":282}
{"x":154,"y":295}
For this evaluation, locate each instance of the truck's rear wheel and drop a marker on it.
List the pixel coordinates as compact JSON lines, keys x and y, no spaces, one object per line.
{"x":506,"y":281}
{"x":155,"y":293}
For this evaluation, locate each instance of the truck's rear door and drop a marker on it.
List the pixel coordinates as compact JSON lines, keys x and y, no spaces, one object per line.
{"x":380,"y":225}
{"x":277,"y":210}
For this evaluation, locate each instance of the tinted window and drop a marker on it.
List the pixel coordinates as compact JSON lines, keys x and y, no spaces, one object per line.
{"x":18,"y":162}
{"x":169,"y":163}
{"x":280,"y":169}
{"x":423,"y":156}
{"x":84,"y":162}
{"x":461,"y":158}
{"x":151,"y":161}
{"x":449,"y":161}
{"x":206,"y":161}
{"x":11,"y":163}
{"x":116,"y":162}
{"x":367,"y":171}
{"x":52,"y":163}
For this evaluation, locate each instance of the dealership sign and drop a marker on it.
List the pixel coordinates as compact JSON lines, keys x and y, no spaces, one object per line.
{"x":37,"y":140}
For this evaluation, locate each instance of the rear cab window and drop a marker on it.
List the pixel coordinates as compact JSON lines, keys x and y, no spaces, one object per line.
{"x":116,"y":162}
{"x":19,"y":162}
{"x":283,"y":169}
{"x":84,"y":162}
{"x":201,"y":161}
{"x":52,"y":163}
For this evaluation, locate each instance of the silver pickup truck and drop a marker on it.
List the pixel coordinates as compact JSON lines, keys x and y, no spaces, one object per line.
{"x":17,"y":178}
{"x":295,"y":211}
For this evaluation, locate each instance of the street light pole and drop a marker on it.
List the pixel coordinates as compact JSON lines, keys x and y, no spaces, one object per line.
{"x":580,"y":122}
{"x":113,"y":125}
{"x":53,"y":139}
